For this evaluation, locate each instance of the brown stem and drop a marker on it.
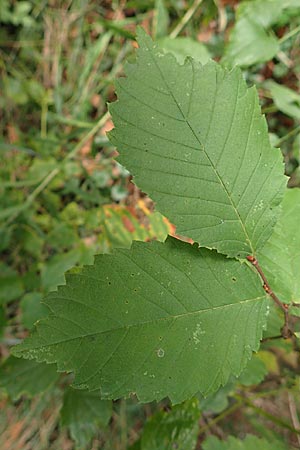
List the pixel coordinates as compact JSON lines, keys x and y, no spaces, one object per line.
{"x":285,"y":330}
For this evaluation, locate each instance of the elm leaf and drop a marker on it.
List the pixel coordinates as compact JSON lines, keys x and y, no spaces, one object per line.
{"x":194,"y":138}
{"x":160,"y":319}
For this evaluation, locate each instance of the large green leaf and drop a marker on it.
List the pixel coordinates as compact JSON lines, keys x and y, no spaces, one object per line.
{"x":196,"y":142}
{"x":280,"y":258}
{"x":156,"y":320}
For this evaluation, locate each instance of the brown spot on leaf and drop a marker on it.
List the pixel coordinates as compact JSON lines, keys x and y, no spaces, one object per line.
{"x":128,"y":224}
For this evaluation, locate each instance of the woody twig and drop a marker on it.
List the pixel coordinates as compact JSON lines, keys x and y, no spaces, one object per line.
{"x":285,"y":331}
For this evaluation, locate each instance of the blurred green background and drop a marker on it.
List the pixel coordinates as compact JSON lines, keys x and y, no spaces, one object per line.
{"x":64,"y":197}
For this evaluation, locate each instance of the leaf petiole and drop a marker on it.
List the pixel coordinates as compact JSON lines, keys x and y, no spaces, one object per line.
{"x":286,"y":332}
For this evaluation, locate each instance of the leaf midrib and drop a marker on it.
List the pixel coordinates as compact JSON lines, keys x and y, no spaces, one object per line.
{"x":248,"y":240}
{"x":127,"y":327}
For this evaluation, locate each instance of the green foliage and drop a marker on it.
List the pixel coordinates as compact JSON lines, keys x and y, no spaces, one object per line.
{"x":177,"y":428}
{"x":2,"y":320}
{"x":280,"y":257}
{"x":254,"y":373}
{"x":251,"y":40}
{"x":218,"y":401}
{"x":11,"y":286}
{"x":286,"y":100}
{"x":159,"y":304}
{"x":32,"y":308}
{"x":161,"y":19}
{"x":182,"y":47}
{"x":83,"y":413}
{"x":58,"y":193}
{"x":249,"y":443}
{"x":227,"y":147}
{"x":19,"y":377}
{"x":19,"y":15}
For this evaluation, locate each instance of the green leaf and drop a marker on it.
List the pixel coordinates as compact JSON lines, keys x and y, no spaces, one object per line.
{"x":61,"y":236}
{"x":254,"y":373}
{"x":11,"y":286}
{"x":251,"y":41}
{"x":52,"y":272}
{"x":249,"y":443}
{"x":156,"y":320}
{"x":20,"y":377}
{"x":295,"y":310}
{"x":196,"y":142}
{"x":270,"y":360}
{"x":161,"y":19}
{"x":182,"y":47}
{"x":83,"y":413}
{"x":286,"y":100}
{"x":177,"y":428}
{"x":275,"y":320}
{"x":218,"y":401}
{"x":250,"y":44}
{"x":32,"y":309}
{"x":280,"y":257}
{"x":5,"y":237}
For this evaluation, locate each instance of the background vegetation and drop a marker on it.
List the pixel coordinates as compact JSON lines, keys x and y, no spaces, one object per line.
{"x":63,"y":198}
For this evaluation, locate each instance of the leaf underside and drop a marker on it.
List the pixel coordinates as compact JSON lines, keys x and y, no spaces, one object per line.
{"x":156,"y":320}
{"x":194,"y":138}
